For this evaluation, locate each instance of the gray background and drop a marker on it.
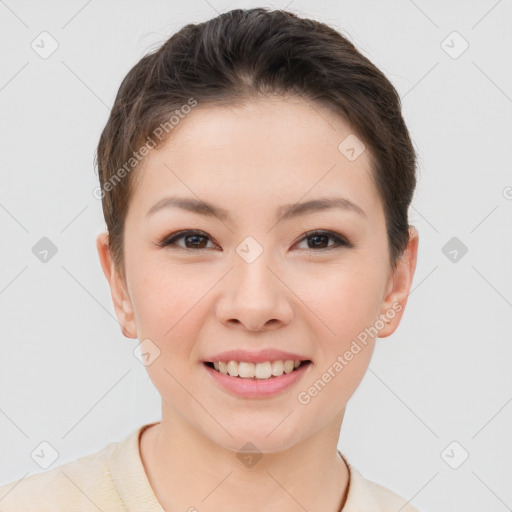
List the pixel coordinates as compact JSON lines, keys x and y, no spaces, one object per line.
{"x":70,"y":378}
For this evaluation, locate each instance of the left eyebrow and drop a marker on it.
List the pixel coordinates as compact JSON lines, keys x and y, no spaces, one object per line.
{"x":289,"y":211}
{"x":284,"y":212}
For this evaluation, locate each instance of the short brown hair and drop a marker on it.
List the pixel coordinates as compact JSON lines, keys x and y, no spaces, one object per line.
{"x":242,"y":54}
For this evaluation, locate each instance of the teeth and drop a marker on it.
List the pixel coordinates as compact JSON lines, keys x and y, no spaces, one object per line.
{"x":264,"y":370}
{"x":233,"y":368}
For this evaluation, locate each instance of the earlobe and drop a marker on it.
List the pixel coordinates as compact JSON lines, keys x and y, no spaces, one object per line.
{"x":393,"y":306}
{"x":118,"y":291}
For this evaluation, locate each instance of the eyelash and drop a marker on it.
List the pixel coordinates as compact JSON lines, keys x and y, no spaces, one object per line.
{"x":339,"y":240}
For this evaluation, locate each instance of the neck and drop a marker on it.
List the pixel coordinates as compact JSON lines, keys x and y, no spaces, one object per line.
{"x":189,"y":471}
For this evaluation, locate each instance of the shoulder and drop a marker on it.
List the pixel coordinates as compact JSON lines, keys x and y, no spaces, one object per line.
{"x":364,"y":495}
{"x":83,"y":484}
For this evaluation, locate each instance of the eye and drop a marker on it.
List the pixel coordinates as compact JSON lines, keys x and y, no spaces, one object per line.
{"x":319,"y":239}
{"x":192,"y":240}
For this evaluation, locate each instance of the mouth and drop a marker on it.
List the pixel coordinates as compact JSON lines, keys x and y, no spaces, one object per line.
{"x":267,"y":370}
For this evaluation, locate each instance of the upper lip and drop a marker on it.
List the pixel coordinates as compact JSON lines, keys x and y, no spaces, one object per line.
{"x":260,"y":356}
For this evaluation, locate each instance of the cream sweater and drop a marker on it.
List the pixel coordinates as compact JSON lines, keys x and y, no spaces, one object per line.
{"x":114,"y":480}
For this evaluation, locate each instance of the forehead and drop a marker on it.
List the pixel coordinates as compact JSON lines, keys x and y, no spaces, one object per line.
{"x":271,"y":150}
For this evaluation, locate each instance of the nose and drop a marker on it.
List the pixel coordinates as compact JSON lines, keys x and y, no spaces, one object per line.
{"x":254,"y":297}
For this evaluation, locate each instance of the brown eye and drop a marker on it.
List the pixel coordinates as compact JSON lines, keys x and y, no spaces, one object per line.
{"x":320,"y":240}
{"x":192,"y":240}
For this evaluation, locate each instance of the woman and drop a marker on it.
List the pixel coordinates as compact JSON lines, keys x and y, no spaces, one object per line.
{"x":255,"y":175}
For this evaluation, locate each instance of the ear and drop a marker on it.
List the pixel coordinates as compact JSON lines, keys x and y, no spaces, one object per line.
{"x":398,"y":287}
{"x":120,"y":297}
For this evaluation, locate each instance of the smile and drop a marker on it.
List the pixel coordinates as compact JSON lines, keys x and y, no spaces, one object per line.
{"x":264,"y":370}
{"x":256,"y":387}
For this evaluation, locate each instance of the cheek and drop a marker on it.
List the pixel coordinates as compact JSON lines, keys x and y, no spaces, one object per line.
{"x":347,"y":304}
{"x":167,"y":300}
{"x":344,"y":299}
{"x":169,"y":310}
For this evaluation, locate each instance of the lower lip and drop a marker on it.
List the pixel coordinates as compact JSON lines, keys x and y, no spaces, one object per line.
{"x":257,"y":388}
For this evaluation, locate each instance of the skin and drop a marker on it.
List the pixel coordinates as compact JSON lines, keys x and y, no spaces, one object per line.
{"x":294,"y":296}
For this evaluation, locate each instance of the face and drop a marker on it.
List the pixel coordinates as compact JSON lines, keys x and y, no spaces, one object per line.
{"x":253,"y":271}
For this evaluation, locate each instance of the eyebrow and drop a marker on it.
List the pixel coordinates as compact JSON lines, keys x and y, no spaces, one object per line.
{"x":284,"y":212}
